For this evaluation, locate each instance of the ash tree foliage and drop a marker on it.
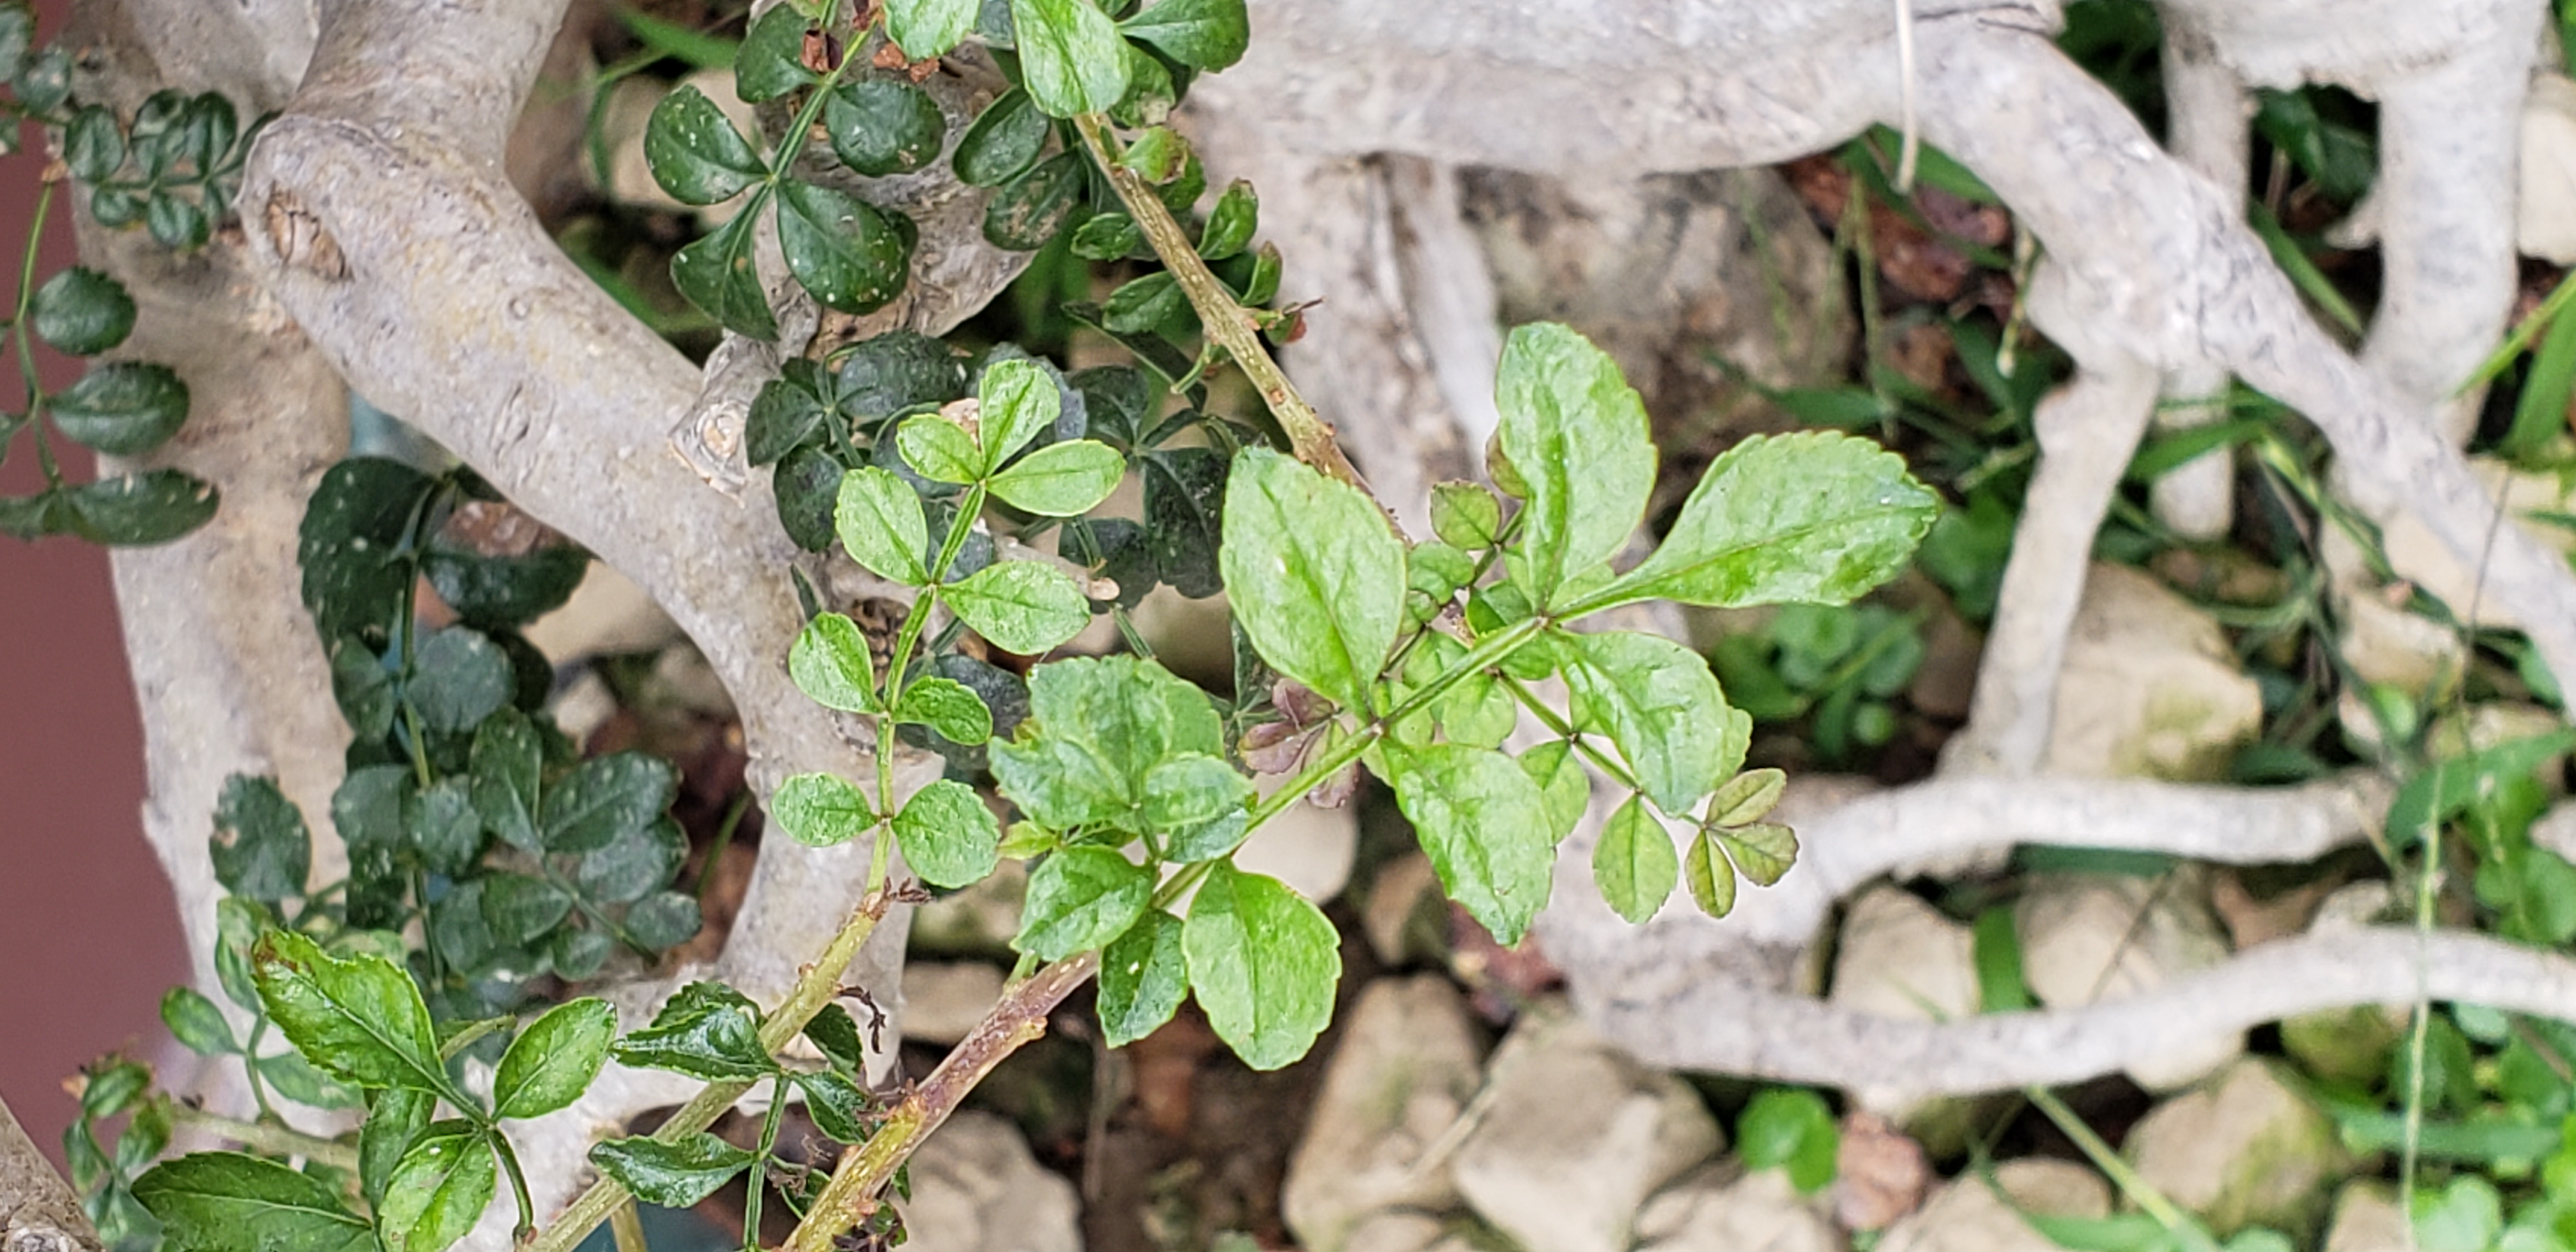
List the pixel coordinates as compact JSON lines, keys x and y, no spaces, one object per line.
{"x":492,"y":865}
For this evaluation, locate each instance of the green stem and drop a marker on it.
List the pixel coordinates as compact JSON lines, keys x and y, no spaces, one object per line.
{"x":627,"y":1228}
{"x":2139,"y":1191}
{"x":724,"y":839}
{"x":26,"y":341}
{"x":760,"y":1164}
{"x":465,"y":1038}
{"x":263,"y":1136}
{"x":1610,"y":767}
{"x":518,"y":1184}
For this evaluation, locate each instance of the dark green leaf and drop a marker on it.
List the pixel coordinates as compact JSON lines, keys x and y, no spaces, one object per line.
{"x":1264,"y":963}
{"x":881,"y":525}
{"x":1118,"y":403}
{"x":1762,"y":851}
{"x":441,"y":825}
{"x":362,"y":688}
{"x":231,"y":1202}
{"x":34,"y":517}
{"x":1080,"y":899}
{"x":821,"y":810}
{"x":1143,"y":976}
{"x":553,"y":1060}
{"x":928,"y":28}
{"x":367,"y":806}
{"x":394,"y":1118}
{"x":707,"y":1030}
{"x":125,"y":407}
{"x":1071,"y":58}
{"x":1185,"y":491}
{"x":949,"y":707}
{"x":1201,"y":34}
{"x":154,"y":506}
{"x":349,"y":544}
{"x":836,"y":1034}
{"x":717,"y":274}
{"x":1231,"y":223}
{"x":1482,"y":821}
{"x":939,"y":449}
{"x":521,"y":909}
{"x":507,"y":758}
{"x":93,"y":144}
{"x":808,"y":485}
{"x":503,"y":592}
{"x":1634,"y":865}
{"x":673,"y":1175}
{"x":1814,"y":516}
{"x":1020,"y":606}
{"x":771,"y":62}
{"x":1003,"y":142}
{"x":176,"y":223}
{"x":17,"y":37}
{"x":45,"y":81}
{"x":896,"y":371}
{"x":1710,"y":876}
{"x":440,"y":1186}
{"x":261,"y":847}
{"x":84,"y":312}
{"x":839,"y":1108}
{"x":578,"y":954}
{"x":947,"y":835}
{"x":1662,"y":707}
{"x":238,"y":923}
{"x":634,"y":864}
{"x":881,"y":126}
{"x":1314,"y":575}
{"x":782,"y":416}
{"x":2446,"y":788}
{"x":196,"y":1023}
{"x":1061,"y":479}
{"x":694,"y":151}
{"x":458,"y":679}
{"x":1577,"y":434}
{"x":1790,"y":1127}
{"x":605,"y":797}
{"x":1033,"y":207}
{"x":665,"y":919}
{"x":829,"y":662}
{"x":358,"y":1017}
{"x":1107,"y":237}
{"x":1151,"y":304}
{"x":849,"y":254}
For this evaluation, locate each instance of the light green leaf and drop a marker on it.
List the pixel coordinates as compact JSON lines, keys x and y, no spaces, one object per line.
{"x":1576,"y":432}
{"x":1763,"y":851}
{"x":1020,"y":606}
{"x":1564,"y":789}
{"x":830,"y":663}
{"x":1634,"y":865}
{"x":1196,"y":804}
{"x":1096,"y":729}
{"x":1465,"y":515}
{"x":694,"y":151}
{"x":673,"y":1175}
{"x":1264,"y":963}
{"x":1062,"y":479}
{"x":1816,"y":516}
{"x":928,"y":28}
{"x":881,"y":525}
{"x":1014,"y":400}
{"x":947,"y":835}
{"x":232,"y":1202}
{"x":1144,"y":975}
{"x":196,"y":1023}
{"x":950,"y":707}
{"x":1710,"y":877}
{"x":1201,"y":34}
{"x":438,"y":1189}
{"x":1483,"y":822}
{"x":820,"y":810}
{"x":551,"y":1062}
{"x":1080,"y":899}
{"x":1748,"y":797}
{"x":1315,"y":578}
{"x":1071,"y":56}
{"x":1662,"y":707}
{"x":1790,"y":1128}
{"x":359,"y":1017}
{"x":938,"y":449}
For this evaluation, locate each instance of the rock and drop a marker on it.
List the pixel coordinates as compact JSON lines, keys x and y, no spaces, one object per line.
{"x":975,"y":1188}
{"x":1191,"y":638}
{"x":1306,"y":847}
{"x":2150,"y":687}
{"x":2357,"y":904}
{"x":2546,"y":223}
{"x":683,"y":679}
{"x":1398,"y":1230}
{"x":608,"y":613}
{"x":1879,"y":1173}
{"x":2389,"y":645}
{"x":1403,"y":1073}
{"x":1947,"y":678}
{"x":2494,"y":723}
{"x":2348,"y":1045}
{"x":2245,"y":1149}
{"x":2367,"y":1219}
{"x":2422,"y":559}
{"x":943,"y":1000}
{"x":1406,"y":916}
{"x":2087,"y":938}
{"x":1968,"y":1214}
{"x":976,"y":921}
{"x":1711,"y":1211}
{"x":1900,"y":958}
{"x":583,"y":706}
{"x":1575,"y":1137}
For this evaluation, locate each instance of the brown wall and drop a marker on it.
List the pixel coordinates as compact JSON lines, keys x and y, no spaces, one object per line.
{"x":89,"y":937}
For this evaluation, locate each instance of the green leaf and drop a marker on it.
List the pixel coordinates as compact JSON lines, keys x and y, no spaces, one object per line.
{"x":1201,"y":34}
{"x":1231,"y":223}
{"x":439,"y":1188}
{"x":807,"y":485}
{"x":1313,"y":574}
{"x":1144,"y":974}
{"x":1264,"y":963}
{"x":357,"y":1017}
{"x":552,"y":1062}
{"x":507,"y":758}
{"x":1662,"y":707}
{"x":1153,"y":304}
{"x":633,"y":865}
{"x":394,"y":1118}
{"x":155,"y":506}
{"x":1791,"y":1127}
{"x":717,"y":274}
{"x":1096,"y":730}
{"x":45,"y":81}
{"x":1197,"y":804}
{"x":1634,"y":865}
{"x":895,"y":371}
{"x":665,"y":919}
{"x":882,"y":126}
{"x":1466,"y":515}
{"x":1184,"y":492}
{"x":673,"y":1175}
{"x":1002,"y":142}
{"x":232,"y":1202}
{"x":125,"y":407}
{"x":458,"y":679}
{"x":1071,"y":57}
{"x":1031,"y":209}
{"x":851,"y":255}
{"x":939,"y":449}
{"x":1014,"y":402}
{"x":238,"y":924}
{"x":1080,"y":899}
{"x":836,"y":1034}
{"x":928,"y":28}
{"x":440,"y":823}
{"x":830,"y":663}
{"x":837,"y":1105}
{"x":521,"y":909}
{"x":1814,"y":516}
{"x":503,"y":592}
{"x":1710,"y":876}
{"x":1577,"y":433}
{"x":349,"y":541}
{"x":83,"y":312}
{"x":604,"y":797}
{"x":1747,"y":797}
{"x":771,"y":62}
{"x":17,"y":37}
{"x":1763,"y":851}
{"x":694,"y":151}
{"x":1062,"y":479}
{"x":578,"y":954}
{"x":947,"y":835}
{"x":1107,"y":237}
{"x":197,"y":1024}
{"x":176,"y":223}
{"x":950,"y":707}
{"x":881,"y":525}
{"x":34,"y":517}
{"x":1482,"y":821}
{"x":1020,"y":606}
{"x":783,"y":416}
{"x":1158,"y":155}
{"x":707,"y":1030}
{"x":296,"y":1079}
{"x":1564,"y":789}
{"x":261,"y":847}
{"x":821,"y":810}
